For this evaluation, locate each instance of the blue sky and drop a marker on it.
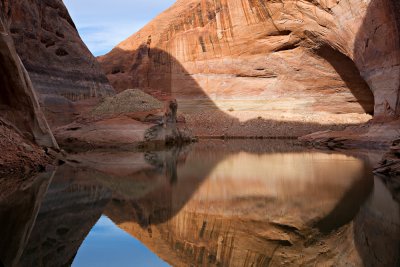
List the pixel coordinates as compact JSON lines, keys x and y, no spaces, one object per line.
{"x":102,"y":24}
{"x":107,"y":245}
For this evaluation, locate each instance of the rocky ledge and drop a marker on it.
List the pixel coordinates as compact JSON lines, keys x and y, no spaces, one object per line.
{"x":129,"y":120}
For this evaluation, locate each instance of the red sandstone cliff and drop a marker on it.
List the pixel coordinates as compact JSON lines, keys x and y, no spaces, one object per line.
{"x":61,"y":67}
{"x":20,"y":114}
{"x":307,"y":54}
{"x":57,"y":60}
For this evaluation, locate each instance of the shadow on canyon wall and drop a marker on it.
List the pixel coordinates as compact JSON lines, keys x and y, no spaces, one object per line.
{"x":78,"y":197}
{"x":157,"y":72}
{"x":17,"y":101}
{"x":350,"y":74}
{"x":377,"y":54}
{"x":377,"y":51}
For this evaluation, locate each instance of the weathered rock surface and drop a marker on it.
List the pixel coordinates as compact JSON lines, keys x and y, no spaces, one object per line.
{"x":129,"y":101}
{"x":22,"y":124}
{"x":61,"y":67}
{"x":375,"y":134}
{"x":130,"y":119}
{"x":18,"y":102}
{"x":19,"y":156}
{"x":49,"y":45}
{"x":299,"y":56}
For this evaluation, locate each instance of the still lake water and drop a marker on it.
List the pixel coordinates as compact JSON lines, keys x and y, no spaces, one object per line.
{"x":215,"y":203}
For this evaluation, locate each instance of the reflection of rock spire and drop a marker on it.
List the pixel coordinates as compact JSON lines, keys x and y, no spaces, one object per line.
{"x":165,"y":162}
{"x":171,"y":162}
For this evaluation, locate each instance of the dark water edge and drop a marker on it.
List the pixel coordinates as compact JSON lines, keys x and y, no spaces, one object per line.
{"x":215,"y":203}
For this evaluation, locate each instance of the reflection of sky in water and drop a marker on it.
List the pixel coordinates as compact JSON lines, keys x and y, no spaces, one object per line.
{"x":108,"y":246}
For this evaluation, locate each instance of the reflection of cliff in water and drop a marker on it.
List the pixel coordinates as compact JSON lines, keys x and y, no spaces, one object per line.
{"x":257,"y":207}
{"x":233,"y":203}
{"x":72,"y":206}
{"x":18,"y":212}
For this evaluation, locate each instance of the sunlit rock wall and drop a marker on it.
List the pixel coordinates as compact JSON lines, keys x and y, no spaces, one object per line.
{"x":306,"y":54}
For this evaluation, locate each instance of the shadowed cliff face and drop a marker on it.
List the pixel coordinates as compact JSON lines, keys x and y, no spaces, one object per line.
{"x":49,"y":45}
{"x":18,"y":102}
{"x":156,"y":71}
{"x":308,"y":55}
{"x":237,"y":113}
{"x":60,"y":66}
{"x":376,"y":53}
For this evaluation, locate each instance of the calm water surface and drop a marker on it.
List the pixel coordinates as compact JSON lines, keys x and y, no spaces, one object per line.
{"x":215,"y":203}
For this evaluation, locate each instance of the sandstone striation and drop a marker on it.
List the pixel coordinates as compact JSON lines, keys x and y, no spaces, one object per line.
{"x":61,"y":67}
{"x":131,"y":119}
{"x":18,"y":102}
{"x":300,"y":57}
{"x":49,"y":45}
{"x":22,"y":123}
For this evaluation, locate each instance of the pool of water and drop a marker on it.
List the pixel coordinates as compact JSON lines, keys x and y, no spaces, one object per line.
{"x":215,"y":203}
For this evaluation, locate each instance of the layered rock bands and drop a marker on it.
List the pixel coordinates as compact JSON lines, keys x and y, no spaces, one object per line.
{"x":302,"y":56}
{"x":57,"y":60}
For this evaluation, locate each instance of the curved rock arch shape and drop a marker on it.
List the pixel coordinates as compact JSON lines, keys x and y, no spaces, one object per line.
{"x":342,"y":32}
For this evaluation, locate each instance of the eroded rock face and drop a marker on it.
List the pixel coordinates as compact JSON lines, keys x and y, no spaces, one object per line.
{"x":19,"y":107}
{"x":49,"y":45}
{"x":307,"y":54}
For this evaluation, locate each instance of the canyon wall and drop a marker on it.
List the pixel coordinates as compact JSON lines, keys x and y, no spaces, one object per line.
{"x":60,"y":65}
{"x":19,"y":108}
{"x":302,"y":56}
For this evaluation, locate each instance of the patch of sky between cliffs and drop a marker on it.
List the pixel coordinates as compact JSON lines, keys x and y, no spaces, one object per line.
{"x":103,"y":24}
{"x":107,"y":245}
